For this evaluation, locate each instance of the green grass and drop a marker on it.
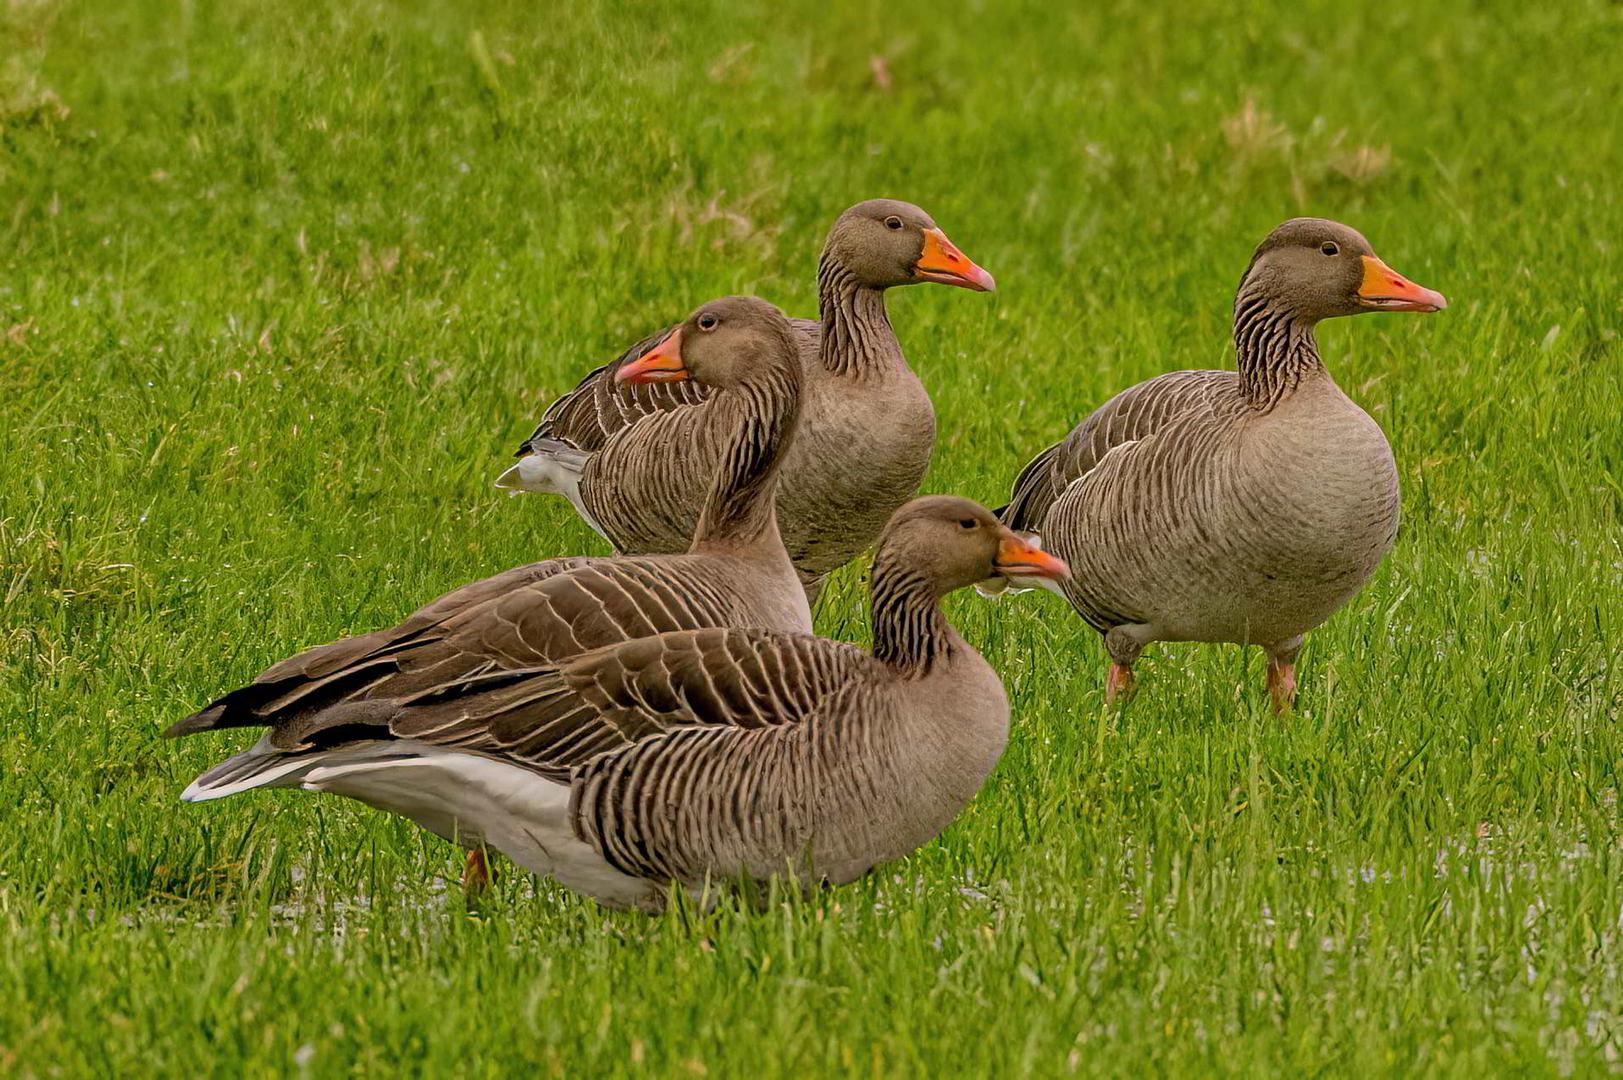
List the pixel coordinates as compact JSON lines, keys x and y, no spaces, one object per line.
{"x":282,"y":284}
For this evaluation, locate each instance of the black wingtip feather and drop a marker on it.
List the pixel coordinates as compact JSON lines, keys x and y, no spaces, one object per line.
{"x":202,"y":720}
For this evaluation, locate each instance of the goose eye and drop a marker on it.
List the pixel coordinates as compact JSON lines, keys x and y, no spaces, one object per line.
{"x":708,"y":322}
{"x":1329,"y":248}
{"x":967,"y":523}
{"x":893,"y":222}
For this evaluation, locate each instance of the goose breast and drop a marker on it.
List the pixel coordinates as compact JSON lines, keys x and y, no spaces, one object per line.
{"x":860,"y":453}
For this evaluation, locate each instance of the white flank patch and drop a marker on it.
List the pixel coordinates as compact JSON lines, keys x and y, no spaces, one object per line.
{"x":470,"y":799}
{"x":548,"y":474}
{"x":543,"y":474}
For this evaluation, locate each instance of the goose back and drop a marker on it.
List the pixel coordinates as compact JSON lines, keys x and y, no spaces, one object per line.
{"x":1134,"y":414}
{"x":526,"y":616}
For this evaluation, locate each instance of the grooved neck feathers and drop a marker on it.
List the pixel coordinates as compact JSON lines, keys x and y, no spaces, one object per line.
{"x":857,"y":336}
{"x":742,"y":506}
{"x":1275,"y":350}
{"x":910,"y":632}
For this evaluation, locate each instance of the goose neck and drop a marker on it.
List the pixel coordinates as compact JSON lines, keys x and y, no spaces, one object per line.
{"x":741,"y":508}
{"x":857,"y":335}
{"x":1275,"y":349}
{"x":911,"y":633}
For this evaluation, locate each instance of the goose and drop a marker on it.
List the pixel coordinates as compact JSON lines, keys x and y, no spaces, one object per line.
{"x":866,"y":428}
{"x":694,"y":757}
{"x":735,"y":573}
{"x":1232,"y":506}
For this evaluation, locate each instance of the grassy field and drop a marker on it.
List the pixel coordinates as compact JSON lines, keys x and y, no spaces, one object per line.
{"x":282,"y":285}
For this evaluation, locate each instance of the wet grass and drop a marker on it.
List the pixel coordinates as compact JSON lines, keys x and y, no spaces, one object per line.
{"x":281,"y":285}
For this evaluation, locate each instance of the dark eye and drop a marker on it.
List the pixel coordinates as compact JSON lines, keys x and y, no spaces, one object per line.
{"x":968,"y":523}
{"x":893,"y":222}
{"x":708,"y":321}
{"x":1329,"y":248}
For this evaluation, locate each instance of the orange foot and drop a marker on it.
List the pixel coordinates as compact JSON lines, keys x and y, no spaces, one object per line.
{"x":1282,"y":685}
{"x":475,"y":873}
{"x":1118,"y":684}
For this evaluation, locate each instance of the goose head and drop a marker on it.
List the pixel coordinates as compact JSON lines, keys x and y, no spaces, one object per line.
{"x":954,"y":542}
{"x":731,"y":342}
{"x":1315,"y":269}
{"x":883,"y":243}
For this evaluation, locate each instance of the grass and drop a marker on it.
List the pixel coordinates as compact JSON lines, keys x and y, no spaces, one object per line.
{"x":282,"y":284}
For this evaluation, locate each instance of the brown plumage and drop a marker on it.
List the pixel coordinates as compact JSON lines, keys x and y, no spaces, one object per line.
{"x":736,"y":573}
{"x":699,"y":756}
{"x":866,"y":426}
{"x":1242,"y":506}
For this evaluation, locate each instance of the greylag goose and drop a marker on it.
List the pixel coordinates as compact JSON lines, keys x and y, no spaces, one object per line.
{"x":735,"y":574}
{"x":866,"y":424}
{"x":697,"y":756}
{"x":1239,"y":506}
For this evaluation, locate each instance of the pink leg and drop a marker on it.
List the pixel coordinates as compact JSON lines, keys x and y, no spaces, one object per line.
{"x":1118,"y":683}
{"x":1282,"y":684}
{"x":475,"y":873}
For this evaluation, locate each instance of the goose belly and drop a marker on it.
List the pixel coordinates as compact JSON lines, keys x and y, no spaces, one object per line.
{"x":821,"y":801}
{"x":945,"y":751}
{"x":1271,"y":534}
{"x":1315,"y":511}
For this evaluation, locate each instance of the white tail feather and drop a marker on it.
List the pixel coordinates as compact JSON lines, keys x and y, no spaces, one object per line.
{"x":553,"y":470}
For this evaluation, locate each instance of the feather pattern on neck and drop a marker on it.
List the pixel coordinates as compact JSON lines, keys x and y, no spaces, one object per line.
{"x":1275,"y":350}
{"x":742,"y":505}
{"x":911,"y":635}
{"x":857,"y":336}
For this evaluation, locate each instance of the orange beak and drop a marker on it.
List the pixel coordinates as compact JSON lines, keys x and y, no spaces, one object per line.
{"x":1384,"y":289}
{"x":1019,"y":556}
{"x":662,"y":363}
{"x":942,"y":261}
